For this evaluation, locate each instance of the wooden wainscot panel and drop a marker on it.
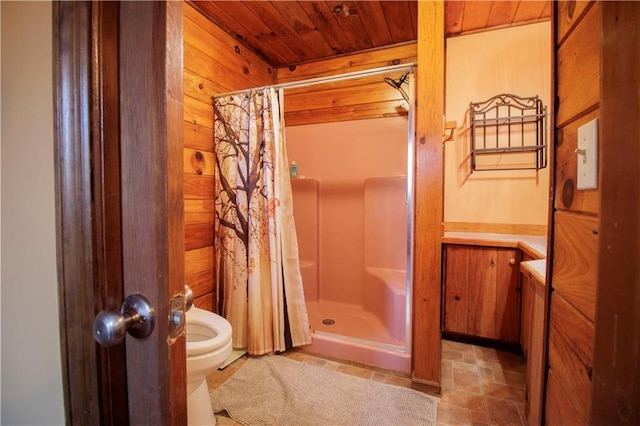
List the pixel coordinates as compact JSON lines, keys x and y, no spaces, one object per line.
{"x":198,"y":211}
{"x":559,"y":410}
{"x":198,"y":260}
{"x":569,"y":14}
{"x":346,"y":113}
{"x":198,"y":187}
{"x":571,"y":355}
{"x":197,"y":112}
{"x":198,"y":235}
{"x":575,"y":260}
{"x":355,"y":99}
{"x":198,"y":87}
{"x":568,"y":197}
{"x":206,"y":302}
{"x":210,"y":72}
{"x":399,"y":54}
{"x":578,"y":74}
{"x":198,"y":137}
{"x":349,"y":92}
{"x":198,"y":162}
{"x":200,"y":282}
{"x":372,"y":100}
{"x":210,"y":39}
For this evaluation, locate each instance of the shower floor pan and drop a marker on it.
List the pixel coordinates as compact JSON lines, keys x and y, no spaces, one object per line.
{"x":352,"y":333}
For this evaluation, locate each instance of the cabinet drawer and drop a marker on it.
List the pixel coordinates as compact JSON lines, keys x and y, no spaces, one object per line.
{"x":574,"y":268}
{"x":571,"y":337}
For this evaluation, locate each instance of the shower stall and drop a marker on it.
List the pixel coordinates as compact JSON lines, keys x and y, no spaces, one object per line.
{"x":352,"y":209}
{"x":353,"y":212}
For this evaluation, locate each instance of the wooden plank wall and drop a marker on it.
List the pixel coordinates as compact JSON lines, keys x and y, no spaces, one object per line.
{"x":213,"y":63}
{"x":367,"y":97}
{"x":575,"y":218}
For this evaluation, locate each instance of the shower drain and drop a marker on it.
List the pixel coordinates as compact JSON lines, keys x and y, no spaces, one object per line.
{"x":328,"y":321}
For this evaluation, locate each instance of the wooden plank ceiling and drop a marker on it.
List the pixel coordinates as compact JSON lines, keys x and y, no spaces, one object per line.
{"x":287,"y":33}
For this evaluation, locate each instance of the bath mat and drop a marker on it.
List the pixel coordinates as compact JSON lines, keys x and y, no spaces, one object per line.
{"x":274,"y":390}
{"x":233,"y":357}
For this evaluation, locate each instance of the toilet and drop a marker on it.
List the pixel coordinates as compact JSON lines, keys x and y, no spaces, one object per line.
{"x":208,"y":346}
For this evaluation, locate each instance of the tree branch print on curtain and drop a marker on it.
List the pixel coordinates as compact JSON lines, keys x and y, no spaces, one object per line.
{"x":253,"y":283}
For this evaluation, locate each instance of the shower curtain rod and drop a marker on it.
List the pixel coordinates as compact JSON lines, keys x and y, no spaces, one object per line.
{"x":326,"y":79}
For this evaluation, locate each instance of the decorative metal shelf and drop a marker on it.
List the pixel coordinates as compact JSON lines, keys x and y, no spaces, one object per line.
{"x":508,"y":124}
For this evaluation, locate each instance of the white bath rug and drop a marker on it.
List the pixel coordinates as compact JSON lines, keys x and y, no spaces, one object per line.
{"x":274,"y":390}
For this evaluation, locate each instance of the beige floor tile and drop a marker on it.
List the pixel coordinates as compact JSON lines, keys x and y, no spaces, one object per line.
{"x":404,"y":382}
{"x":355,"y":371}
{"x":464,"y":366}
{"x":452,"y":415}
{"x":479,"y":417}
{"x":506,"y":392}
{"x":465,"y":378}
{"x":453,"y":355}
{"x":464,"y":399}
{"x":503,"y":412}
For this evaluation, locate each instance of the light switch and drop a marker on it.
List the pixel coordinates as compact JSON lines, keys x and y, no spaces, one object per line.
{"x":587,"y":155}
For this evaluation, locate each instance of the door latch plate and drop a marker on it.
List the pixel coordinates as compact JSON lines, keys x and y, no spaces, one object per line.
{"x":177,"y":319}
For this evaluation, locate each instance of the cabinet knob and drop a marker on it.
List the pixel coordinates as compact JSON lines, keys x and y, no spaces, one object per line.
{"x":457,"y":297}
{"x":512,"y":261}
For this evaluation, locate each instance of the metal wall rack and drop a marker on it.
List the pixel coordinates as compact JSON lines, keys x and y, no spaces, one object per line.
{"x":508,"y":124}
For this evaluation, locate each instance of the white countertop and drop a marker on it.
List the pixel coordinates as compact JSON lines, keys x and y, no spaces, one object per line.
{"x":537,"y":267}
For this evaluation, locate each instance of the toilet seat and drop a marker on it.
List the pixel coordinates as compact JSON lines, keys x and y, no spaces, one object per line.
{"x":206,"y":332}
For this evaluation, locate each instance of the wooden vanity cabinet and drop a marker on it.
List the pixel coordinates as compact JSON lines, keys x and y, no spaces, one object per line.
{"x":482,"y":292}
{"x":532,"y":337}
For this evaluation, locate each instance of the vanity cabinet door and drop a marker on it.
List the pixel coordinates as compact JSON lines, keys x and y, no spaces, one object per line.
{"x":456,"y":294}
{"x":533,"y":318}
{"x":482,"y":292}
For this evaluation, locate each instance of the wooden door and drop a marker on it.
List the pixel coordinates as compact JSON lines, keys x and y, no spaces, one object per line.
{"x":493,"y":284}
{"x":507,"y":280}
{"x":118,"y":97}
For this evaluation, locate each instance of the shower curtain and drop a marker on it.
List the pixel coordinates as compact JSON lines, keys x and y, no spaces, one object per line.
{"x":257,"y":269}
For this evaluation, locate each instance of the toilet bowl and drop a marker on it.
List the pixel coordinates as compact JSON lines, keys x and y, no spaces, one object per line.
{"x":208,"y":346}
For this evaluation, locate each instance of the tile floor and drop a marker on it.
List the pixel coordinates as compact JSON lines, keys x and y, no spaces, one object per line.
{"x":480,"y":386}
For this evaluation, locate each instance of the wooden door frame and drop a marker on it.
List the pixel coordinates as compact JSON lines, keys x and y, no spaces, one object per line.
{"x":616,"y":372}
{"x":429,"y":199}
{"x":88,"y":97}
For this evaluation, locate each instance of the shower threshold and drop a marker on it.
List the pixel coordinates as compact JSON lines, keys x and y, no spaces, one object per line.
{"x":385,"y":356}
{"x":387,"y":346}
